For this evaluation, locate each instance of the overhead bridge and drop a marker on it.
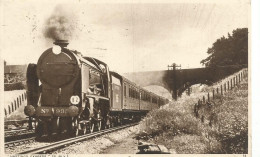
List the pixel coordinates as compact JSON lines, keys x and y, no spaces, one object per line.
{"x":178,"y":80}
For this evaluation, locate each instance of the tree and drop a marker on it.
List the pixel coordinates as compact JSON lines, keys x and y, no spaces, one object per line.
{"x":232,"y":50}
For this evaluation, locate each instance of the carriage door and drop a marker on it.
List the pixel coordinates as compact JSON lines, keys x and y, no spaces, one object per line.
{"x":116,"y":93}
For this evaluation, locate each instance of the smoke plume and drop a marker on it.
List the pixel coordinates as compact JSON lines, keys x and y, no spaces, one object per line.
{"x":60,"y":25}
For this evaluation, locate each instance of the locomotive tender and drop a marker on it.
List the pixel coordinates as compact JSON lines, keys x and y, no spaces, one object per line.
{"x":70,"y":93}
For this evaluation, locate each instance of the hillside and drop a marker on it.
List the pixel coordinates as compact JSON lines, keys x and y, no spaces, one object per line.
{"x":221,"y":127}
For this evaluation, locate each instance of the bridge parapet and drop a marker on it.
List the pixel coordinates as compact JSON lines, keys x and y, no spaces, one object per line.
{"x":178,"y":80}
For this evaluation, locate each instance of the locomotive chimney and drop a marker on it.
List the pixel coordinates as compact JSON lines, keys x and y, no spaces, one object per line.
{"x":61,"y":43}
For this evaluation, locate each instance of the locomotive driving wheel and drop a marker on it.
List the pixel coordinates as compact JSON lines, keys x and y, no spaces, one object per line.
{"x":84,"y":129}
{"x":91,"y":127}
{"x":99,"y":125}
{"x":75,"y":127}
{"x":108,"y":124}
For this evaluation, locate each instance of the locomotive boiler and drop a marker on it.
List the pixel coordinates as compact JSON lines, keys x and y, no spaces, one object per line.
{"x":70,"y":93}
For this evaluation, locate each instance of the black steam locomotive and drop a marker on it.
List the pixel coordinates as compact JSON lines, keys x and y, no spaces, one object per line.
{"x":68,"y":92}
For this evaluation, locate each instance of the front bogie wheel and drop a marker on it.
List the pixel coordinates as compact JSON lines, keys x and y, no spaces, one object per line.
{"x":39,"y":129}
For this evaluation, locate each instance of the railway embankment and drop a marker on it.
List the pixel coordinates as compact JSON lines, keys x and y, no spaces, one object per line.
{"x":13,"y":102}
{"x":219,"y":126}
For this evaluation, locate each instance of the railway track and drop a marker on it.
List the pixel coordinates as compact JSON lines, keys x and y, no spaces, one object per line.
{"x":19,"y":142}
{"x":18,"y":134}
{"x":64,"y":143}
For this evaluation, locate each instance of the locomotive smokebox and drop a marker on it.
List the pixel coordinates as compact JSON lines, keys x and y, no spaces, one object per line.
{"x":61,"y":43}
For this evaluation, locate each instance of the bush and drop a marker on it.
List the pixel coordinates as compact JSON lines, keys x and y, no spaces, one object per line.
{"x":176,"y":127}
{"x":14,"y":86}
{"x":170,"y":121}
{"x":229,"y":116}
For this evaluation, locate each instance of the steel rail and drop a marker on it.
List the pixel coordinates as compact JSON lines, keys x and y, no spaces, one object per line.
{"x":19,"y":136}
{"x":13,"y":131}
{"x":19,"y":142}
{"x":63,"y":143}
{"x":17,"y":132}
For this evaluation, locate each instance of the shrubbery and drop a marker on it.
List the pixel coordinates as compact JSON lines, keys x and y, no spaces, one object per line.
{"x":177,"y":127}
{"x":14,"y":86}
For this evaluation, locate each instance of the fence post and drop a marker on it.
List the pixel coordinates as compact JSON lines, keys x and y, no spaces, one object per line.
{"x":203,"y":99}
{"x":15,"y":104}
{"x":20,"y":100}
{"x":221,"y":89}
{"x":228,"y":85}
{"x":9,"y":108}
{"x":5,"y":112}
{"x":15,"y":107}
{"x":217,"y":90}
{"x":213,"y":93}
{"x":22,"y":97}
{"x":208,"y":97}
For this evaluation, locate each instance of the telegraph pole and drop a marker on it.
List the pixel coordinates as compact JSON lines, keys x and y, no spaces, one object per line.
{"x":175,"y":91}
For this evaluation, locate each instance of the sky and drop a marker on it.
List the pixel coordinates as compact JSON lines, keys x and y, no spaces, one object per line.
{"x":129,"y":37}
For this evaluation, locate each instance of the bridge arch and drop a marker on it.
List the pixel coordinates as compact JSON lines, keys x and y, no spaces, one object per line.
{"x":178,"y":80}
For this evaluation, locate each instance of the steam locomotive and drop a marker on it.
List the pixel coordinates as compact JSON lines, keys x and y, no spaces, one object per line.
{"x":67,"y":92}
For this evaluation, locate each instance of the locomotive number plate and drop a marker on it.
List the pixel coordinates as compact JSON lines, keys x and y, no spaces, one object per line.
{"x":61,"y":111}
{"x":45,"y":111}
{"x":52,"y":111}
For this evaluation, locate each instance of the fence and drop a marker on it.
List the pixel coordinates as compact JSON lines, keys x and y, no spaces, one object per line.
{"x":15,"y":104}
{"x":221,"y":88}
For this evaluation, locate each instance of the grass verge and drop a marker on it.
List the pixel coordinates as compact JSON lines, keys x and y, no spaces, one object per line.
{"x":221,"y":127}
